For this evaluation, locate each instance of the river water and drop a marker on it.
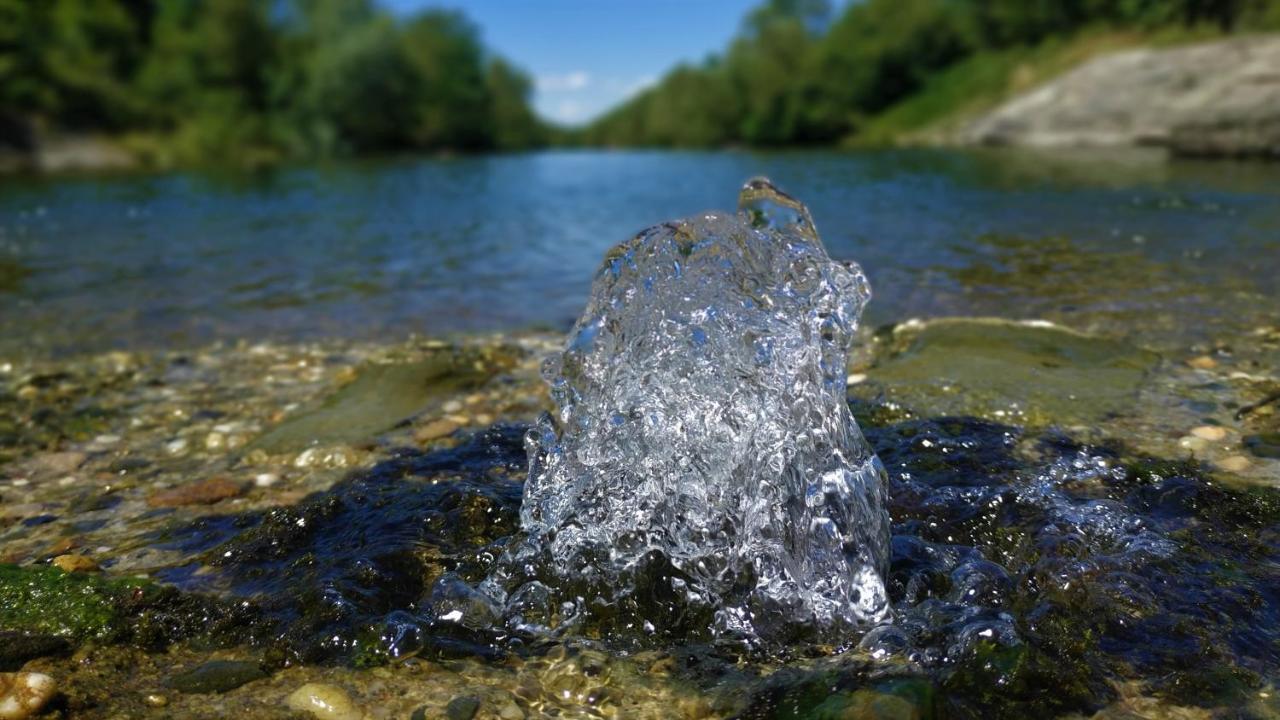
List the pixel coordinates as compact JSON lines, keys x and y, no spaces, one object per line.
{"x":1121,"y":242}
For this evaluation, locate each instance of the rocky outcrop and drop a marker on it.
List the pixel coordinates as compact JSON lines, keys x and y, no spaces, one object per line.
{"x":1220,"y":98}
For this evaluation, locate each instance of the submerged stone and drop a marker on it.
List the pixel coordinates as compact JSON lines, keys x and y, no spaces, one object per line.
{"x":217,"y":676}
{"x":382,"y":395}
{"x":703,"y":462}
{"x":1006,"y":369}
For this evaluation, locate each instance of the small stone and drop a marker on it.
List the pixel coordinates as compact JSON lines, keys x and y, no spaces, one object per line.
{"x":217,"y":676}
{"x":23,"y":694}
{"x":75,"y":563}
{"x":1203,"y":362}
{"x":452,"y":406}
{"x":176,"y":447}
{"x":510,"y":711}
{"x":1192,"y":443}
{"x":462,"y":708}
{"x":56,"y":463}
{"x":215,"y":441}
{"x":1212,"y":433}
{"x":204,"y":492}
{"x":156,"y":700}
{"x":855,"y":378}
{"x":266,"y":479}
{"x":1234,"y":463}
{"x":435,"y":430}
{"x":324,"y":701}
{"x":484,"y":419}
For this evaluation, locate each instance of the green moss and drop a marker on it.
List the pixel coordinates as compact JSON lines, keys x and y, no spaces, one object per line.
{"x":50,"y":601}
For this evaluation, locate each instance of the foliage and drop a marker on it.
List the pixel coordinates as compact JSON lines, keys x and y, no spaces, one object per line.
{"x":793,"y":78}
{"x":198,"y":80}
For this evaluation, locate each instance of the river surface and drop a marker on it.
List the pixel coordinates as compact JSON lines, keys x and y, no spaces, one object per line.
{"x":1128,"y":243}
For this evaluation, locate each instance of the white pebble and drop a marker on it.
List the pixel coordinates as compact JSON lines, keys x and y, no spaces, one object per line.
{"x":327,"y":702}
{"x":266,"y":479}
{"x":23,"y":694}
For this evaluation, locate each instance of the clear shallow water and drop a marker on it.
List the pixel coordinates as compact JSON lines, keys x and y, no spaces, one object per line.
{"x":1126,"y":243}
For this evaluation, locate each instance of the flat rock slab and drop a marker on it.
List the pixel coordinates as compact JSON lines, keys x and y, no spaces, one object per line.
{"x":1033,"y":372}
{"x":382,"y":395}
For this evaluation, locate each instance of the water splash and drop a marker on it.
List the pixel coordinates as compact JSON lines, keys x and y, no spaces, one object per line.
{"x":704,"y":473}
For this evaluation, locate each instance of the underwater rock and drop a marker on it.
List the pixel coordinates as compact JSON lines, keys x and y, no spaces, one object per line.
{"x":1004,"y":369}
{"x":217,"y":676}
{"x":703,"y":454}
{"x":327,"y":702}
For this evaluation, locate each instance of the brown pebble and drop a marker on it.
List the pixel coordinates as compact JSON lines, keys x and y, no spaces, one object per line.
{"x":204,"y":492}
{"x":1209,"y":432}
{"x":435,"y":430}
{"x":75,"y":563}
{"x":1203,"y":362}
{"x":1234,"y":463}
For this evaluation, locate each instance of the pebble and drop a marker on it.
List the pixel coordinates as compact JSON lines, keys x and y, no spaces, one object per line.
{"x":1234,"y":463}
{"x":452,"y":406}
{"x":176,"y":447}
{"x":462,"y":708}
{"x":204,"y":492}
{"x":23,"y":694}
{"x":855,"y":378}
{"x":75,"y":563}
{"x":1211,"y":433}
{"x":215,"y":441}
{"x":266,"y":479}
{"x":435,"y":430}
{"x":324,"y":701}
{"x":217,"y":676}
{"x":57,"y":463}
{"x":1203,"y":362}
{"x":1192,"y":443}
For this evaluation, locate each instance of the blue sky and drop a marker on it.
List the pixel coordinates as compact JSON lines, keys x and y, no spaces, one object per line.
{"x":588,"y":55}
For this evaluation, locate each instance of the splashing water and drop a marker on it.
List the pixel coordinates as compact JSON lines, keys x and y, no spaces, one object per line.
{"x":704,"y":467}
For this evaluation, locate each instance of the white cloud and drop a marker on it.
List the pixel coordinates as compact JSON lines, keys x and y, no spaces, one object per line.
{"x":569,"y":82}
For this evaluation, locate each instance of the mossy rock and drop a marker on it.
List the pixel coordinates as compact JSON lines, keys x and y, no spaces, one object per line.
{"x":1033,"y":372}
{"x":384,"y":394}
{"x":49,"y":601}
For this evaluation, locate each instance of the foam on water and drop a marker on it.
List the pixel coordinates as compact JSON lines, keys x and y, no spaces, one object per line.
{"x":703,"y":455}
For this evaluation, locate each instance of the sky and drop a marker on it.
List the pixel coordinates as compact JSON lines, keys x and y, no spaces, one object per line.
{"x":586,"y":56}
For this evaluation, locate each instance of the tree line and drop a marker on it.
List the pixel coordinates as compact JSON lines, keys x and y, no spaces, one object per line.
{"x":797,"y":76}
{"x":200,"y":79}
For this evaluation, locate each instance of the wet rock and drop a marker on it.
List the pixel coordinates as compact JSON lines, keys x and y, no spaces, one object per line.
{"x":56,"y":463}
{"x":462,"y":708}
{"x":997,"y":369}
{"x":22,"y":695}
{"x":1212,"y":433}
{"x":75,"y":563}
{"x":435,"y":430}
{"x":217,"y":676}
{"x":383,"y":395}
{"x":204,"y":492}
{"x":327,"y":702}
{"x":1203,"y":362}
{"x":17,"y":648}
{"x":1234,"y":463}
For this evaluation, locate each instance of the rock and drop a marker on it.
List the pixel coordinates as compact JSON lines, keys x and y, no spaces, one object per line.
{"x":1234,"y":463}
{"x":56,"y":463}
{"x":996,"y":368}
{"x":75,"y":563}
{"x":217,"y":676}
{"x":1219,"y":98}
{"x":382,"y":395}
{"x":204,"y":492}
{"x":327,"y":702}
{"x":22,"y":695}
{"x":1212,"y":433}
{"x":435,"y":430}
{"x":1203,"y":362}
{"x":462,"y":708}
